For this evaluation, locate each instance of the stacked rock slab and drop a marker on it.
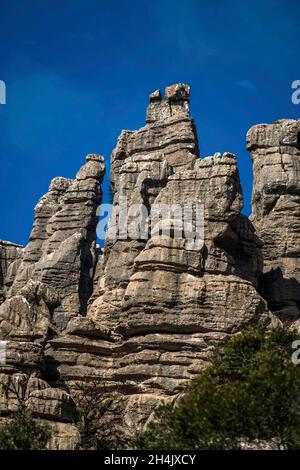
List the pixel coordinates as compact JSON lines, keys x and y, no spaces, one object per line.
{"x":161,"y":302}
{"x":25,"y":325}
{"x":52,"y":284}
{"x":140,"y":167}
{"x":275,"y":151}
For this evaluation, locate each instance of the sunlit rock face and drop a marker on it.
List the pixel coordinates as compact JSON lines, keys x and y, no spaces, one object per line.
{"x":161,"y":303}
{"x":142,"y":316}
{"x":275,"y":152}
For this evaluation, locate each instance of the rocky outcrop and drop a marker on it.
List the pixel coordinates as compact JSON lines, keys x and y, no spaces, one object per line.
{"x":25,"y":321}
{"x":182,"y":268}
{"x":52,"y":284}
{"x":275,"y":151}
{"x":162,"y":302}
{"x":10,"y":258}
{"x":62,"y":249}
{"x":140,"y":166}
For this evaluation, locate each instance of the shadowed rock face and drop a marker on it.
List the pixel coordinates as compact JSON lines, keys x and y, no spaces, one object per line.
{"x":143,"y":317}
{"x":275,"y":152}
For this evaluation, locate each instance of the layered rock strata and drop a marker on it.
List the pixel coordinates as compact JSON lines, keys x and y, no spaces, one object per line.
{"x":142,"y":316}
{"x":52,"y":284}
{"x":162,"y":303}
{"x":275,"y":152}
{"x":10,"y":258}
{"x":62,"y":247}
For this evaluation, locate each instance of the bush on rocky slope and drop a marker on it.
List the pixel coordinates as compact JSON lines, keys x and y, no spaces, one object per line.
{"x":23,"y":432}
{"x":248,"y":397}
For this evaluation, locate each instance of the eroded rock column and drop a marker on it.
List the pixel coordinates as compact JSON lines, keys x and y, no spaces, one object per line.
{"x":62,"y":249}
{"x":47,"y":283}
{"x":160,"y":305}
{"x":275,"y":152}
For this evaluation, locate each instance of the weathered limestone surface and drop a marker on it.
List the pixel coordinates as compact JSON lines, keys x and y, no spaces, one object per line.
{"x":52,"y":405}
{"x":10,"y":258}
{"x":275,"y":151}
{"x":62,"y":248}
{"x":161,"y":304}
{"x":25,"y":321}
{"x":143,"y":315}
{"x":52,"y":283}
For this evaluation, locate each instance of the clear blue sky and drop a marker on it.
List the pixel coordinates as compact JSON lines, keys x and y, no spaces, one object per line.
{"x":78,"y":71}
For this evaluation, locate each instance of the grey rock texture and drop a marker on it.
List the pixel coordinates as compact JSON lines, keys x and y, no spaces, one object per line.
{"x":142,"y":315}
{"x":10,"y":258}
{"x":160,"y":305}
{"x":62,"y":249}
{"x":52,"y":283}
{"x":275,"y":152}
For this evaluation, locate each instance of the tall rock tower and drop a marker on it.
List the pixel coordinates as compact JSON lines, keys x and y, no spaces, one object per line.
{"x":275,"y":152}
{"x":160,"y":305}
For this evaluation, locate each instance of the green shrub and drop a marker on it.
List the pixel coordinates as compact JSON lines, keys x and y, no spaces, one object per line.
{"x":249,"y":394}
{"x":23,"y":432}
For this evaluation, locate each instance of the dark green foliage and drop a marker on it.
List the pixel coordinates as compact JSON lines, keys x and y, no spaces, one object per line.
{"x":250,"y":394}
{"x":23,"y":432}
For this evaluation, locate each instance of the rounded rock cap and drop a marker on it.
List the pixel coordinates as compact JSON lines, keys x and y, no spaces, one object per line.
{"x":60,"y":184}
{"x":94,"y":157}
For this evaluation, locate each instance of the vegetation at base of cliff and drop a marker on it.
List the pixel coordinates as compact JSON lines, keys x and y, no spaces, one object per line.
{"x":249,"y":394}
{"x":95,"y":405}
{"x":23,"y":432}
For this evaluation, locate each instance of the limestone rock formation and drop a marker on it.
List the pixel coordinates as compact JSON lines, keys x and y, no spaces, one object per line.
{"x":142,"y":315}
{"x":52,"y":283}
{"x":275,"y":151}
{"x":162,"y":303}
{"x":10,"y":257}
{"x":62,"y":247}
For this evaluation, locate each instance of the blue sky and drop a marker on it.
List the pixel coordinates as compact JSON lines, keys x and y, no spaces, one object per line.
{"x":79,"y":71}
